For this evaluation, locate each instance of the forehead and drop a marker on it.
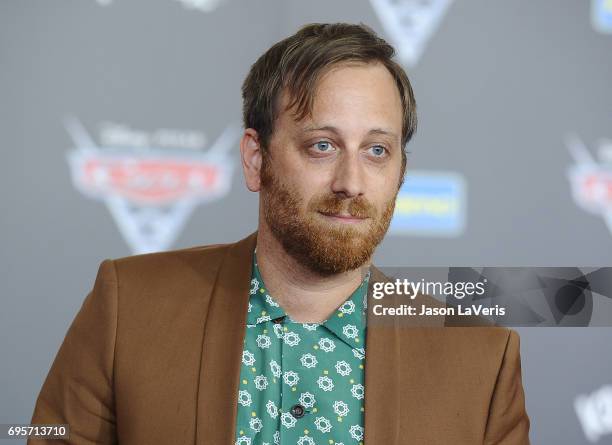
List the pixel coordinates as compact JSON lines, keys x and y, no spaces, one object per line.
{"x":352,"y":95}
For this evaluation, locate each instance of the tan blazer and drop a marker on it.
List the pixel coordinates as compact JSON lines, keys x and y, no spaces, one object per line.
{"x":153,"y":357}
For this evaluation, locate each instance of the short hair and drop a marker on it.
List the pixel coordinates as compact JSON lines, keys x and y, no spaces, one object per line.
{"x":297,"y":62}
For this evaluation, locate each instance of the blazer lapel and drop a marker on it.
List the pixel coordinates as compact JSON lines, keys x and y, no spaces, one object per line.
{"x":382,"y":400}
{"x":224,"y":331}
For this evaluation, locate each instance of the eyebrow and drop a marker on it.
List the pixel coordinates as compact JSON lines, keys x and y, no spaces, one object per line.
{"x":335,"y":130}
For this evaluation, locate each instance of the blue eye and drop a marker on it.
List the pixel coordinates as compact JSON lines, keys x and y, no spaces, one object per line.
{"x":378,"y":150}
{"x":323,"y":146}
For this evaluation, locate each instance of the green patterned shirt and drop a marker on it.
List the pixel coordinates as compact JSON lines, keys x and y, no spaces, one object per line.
{"x":301,"y":383}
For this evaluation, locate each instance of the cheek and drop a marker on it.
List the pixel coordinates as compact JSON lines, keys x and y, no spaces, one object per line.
{"x":311,"y":184}
{"x":302,"y":192}
{"x":386,"y":191}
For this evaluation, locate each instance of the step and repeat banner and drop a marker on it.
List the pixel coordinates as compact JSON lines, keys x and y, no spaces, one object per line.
{"x":120,"y":122}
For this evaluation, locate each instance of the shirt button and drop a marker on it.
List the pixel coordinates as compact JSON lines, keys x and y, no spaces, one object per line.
{"x":278,"y":320}
{"x":297,"y":411}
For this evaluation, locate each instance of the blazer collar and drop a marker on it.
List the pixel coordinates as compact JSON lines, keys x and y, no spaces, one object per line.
{"x":224,"y":330}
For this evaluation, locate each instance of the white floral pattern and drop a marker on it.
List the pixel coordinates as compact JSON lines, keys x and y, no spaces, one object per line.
{"x":261,"y":382}
{"x":272,"y":409}
{"x":256,"y":424}
{"x":244,"y":398}
{"x":325,"y":383}
{"x":319,"y":366}
{"x":308,"y":361}
{"x":323,"y":424}
{"x":263,"y":341}
{"x":288,"y":420}
{"x":291,"y":378}
{"x":358,"y":391}
{"x":341,"y":408}
{"x":291,"y":338}
{"x":327,"y":344}
{"x":343,"y":368}
{"x":356,"y":432}
{"x":271,"y":301}
{"x":254,"y":286}
{"x":248,"y":358}
{"x":348,"y":307}
{"x":307,"y":400}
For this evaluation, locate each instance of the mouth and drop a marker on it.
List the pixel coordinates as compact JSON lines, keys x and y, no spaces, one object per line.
{"x":343,"y":218}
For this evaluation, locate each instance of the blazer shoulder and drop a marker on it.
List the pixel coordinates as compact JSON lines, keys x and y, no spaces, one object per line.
{"x":175,"y":275}
{"x":164,"y":262}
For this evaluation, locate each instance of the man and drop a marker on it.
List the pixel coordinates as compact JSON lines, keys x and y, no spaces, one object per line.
{"x":265,"y":340}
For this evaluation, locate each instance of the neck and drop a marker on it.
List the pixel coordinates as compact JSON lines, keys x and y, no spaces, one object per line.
{"x":306,"y":296}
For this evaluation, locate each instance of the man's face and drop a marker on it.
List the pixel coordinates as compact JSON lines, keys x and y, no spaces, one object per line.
{"x":329,"y":182}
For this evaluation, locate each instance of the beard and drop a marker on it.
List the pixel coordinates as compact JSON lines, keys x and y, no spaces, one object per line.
{"x":324,"y":248}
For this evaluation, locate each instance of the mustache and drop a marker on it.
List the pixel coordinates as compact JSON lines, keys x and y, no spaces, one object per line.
{"x":358,"y":207}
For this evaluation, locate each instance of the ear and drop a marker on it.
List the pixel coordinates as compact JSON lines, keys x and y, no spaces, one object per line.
{"x":250,"y":153}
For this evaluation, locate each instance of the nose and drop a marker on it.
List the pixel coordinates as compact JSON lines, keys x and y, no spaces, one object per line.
{"x":348,"y":176}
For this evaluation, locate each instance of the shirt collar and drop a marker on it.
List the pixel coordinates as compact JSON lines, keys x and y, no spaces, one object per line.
{"x":348,"y":322}
{"x":262,"y":307}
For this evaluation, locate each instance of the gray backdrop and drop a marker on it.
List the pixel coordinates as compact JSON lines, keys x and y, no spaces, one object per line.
{"x":511,"y":95}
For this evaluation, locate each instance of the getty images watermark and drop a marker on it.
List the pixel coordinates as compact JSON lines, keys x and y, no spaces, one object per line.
{"x":501,"y":296}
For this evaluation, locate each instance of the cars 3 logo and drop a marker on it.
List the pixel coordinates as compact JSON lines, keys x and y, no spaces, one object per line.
{"x":150,"y":192}
{"x":591,"y":179}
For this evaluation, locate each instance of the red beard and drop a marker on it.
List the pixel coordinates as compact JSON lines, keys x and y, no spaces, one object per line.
{"x":325,"y":249}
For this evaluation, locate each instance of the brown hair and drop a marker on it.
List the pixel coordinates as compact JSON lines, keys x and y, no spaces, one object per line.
{"x":297,"y":62}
